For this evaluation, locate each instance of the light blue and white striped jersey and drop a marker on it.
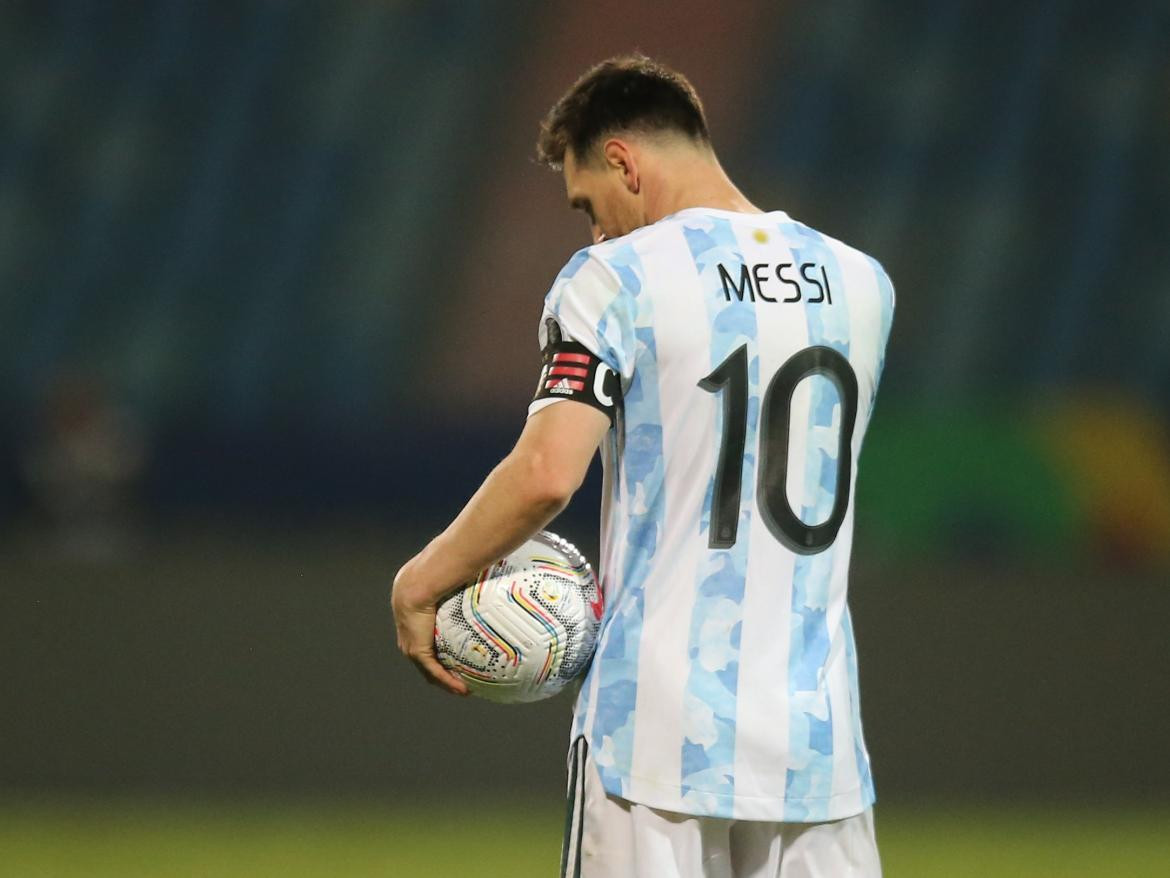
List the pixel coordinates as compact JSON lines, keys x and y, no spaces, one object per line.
{"x":749,"y":349}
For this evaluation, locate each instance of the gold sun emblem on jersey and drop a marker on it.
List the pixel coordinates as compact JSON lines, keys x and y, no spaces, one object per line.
{"x":760,"y":235}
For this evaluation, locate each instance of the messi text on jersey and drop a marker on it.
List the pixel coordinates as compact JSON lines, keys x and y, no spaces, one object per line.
{"x":784,"y":282}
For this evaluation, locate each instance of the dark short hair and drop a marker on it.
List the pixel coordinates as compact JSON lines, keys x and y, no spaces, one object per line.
{"x":626,"y":93}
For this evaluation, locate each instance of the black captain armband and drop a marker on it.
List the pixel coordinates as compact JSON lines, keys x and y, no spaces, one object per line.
{"x":572,"y":371}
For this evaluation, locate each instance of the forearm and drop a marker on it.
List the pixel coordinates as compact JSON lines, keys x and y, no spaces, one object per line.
{"x":518,"y":498}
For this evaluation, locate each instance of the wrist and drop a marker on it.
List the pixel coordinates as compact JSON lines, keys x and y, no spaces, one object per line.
{"x":426,"y":578}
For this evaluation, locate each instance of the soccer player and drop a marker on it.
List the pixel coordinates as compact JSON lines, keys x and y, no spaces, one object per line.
{"x":725,"y":360}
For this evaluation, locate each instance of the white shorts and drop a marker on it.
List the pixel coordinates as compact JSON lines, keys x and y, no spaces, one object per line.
{"x":609,"y":837}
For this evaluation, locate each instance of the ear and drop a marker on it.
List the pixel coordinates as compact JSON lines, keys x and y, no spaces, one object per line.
{"x":620,"y":158}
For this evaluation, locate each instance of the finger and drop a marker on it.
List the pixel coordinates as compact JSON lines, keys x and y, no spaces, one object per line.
{"x":439,"y":675}
{"x":437,"y":682}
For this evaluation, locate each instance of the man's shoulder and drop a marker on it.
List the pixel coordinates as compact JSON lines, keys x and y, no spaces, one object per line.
{"x":588,"y":267}
{"x":621,"y":250}
{"x":606,"y":264}
{"x":842,"y":250}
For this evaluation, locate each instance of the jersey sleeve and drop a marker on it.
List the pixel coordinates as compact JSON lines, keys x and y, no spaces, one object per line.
{"x":586,"y":338}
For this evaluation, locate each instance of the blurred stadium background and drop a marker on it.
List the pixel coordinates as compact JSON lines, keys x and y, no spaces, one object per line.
{"x":270,"y":274}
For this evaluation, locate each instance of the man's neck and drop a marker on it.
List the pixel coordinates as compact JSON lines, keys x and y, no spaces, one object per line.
{"x":694,"y":180}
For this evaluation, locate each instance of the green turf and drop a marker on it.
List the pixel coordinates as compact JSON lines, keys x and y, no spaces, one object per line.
{"x":483,"y":837}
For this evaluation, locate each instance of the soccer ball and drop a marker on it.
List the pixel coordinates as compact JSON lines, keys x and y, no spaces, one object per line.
{"x":526,"y":626}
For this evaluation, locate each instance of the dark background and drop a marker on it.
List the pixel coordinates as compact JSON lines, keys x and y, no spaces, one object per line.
{"x":270,"y":275}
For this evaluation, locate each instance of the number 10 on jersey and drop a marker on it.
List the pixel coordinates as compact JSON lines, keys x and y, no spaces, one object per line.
{"x":730,"y":379}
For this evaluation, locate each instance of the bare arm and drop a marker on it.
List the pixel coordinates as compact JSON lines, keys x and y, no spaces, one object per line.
{"x":522,"y":494}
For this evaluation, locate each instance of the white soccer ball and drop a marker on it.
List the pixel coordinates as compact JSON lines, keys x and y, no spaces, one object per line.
{"x":526,"y":626}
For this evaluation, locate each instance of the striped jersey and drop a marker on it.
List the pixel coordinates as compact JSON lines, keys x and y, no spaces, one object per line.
{"x":744,"y":352}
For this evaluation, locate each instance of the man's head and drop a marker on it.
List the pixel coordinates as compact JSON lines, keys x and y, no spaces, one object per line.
{"x":614,"y":133}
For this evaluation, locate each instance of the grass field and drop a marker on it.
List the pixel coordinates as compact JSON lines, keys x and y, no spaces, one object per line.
{"x":480,"y":837}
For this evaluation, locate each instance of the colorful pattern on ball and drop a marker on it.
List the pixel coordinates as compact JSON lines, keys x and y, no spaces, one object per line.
{"x":528,"y":624}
